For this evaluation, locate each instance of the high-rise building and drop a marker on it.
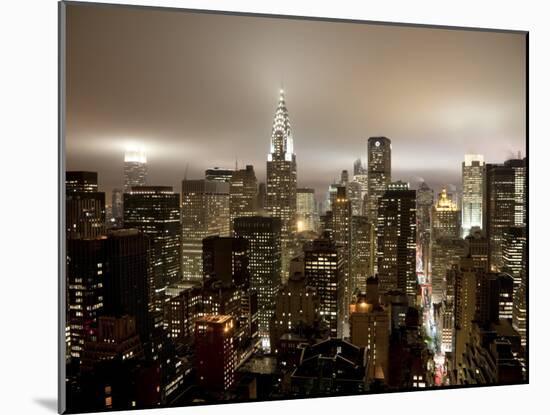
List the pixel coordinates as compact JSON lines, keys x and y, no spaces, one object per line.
{"x":204,"y":212}
{"x":445,"y":218}
{"x":84,"y":205}
{"x":473,"y":173}
{"x":495,"y":292}
{"x":264,"y":251}
{"x":262,"y":194}
{"x":370,"y":328}
{"x":379,"y":172}
{"x":354,"y":192}
{"x":360,"y":175}
{"x":182,"y":310}
{"x":505,"y":193}
{"x":519,"y":316}
{"x":477,"y":247}
{"x":305,"y":209}
{"x":361,"y":257}
{"x":218,"y":174}
{"x":215,"y":352}
{"x":117,"y":208}
{"x":243,"y":194}
{"x":135,"y":169}
{"x":446,"y":252}
{"x":297,"y":303}
{"x":281,"y":180}
{"x":424,"y":203}
{"x":323,"y":269}
{"x":155,"y":210}
{"x":514,"y":244}
{"x":396,"y":247}
{"x":226,"y":259}
{"x":341,"y":233}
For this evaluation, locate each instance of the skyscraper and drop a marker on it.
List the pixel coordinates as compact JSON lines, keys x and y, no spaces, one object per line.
{"x":505,"y":186}
{"x":473,"y":173}
{"x":84,"y":205}
{"x":117,"y":206}
{"x":281,"y":180}
{"x":424,"y":203}
{"x":323,"y":270}
{"x":135,"y":169}
{"x":264,"y":250}
{"x":305,"y":209}
{"x":155,"y":210}
{"x":204,"y":212}
{"x":379,"y":172}
{"x":243,"y":194}
{"x":396,"y":247}
{"x":218,"y":174}
{"x":445,"y":218}
{"x":361,"y":255}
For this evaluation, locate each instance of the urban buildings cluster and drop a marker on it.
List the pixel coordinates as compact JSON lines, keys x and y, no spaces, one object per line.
{"x":231,"y":290}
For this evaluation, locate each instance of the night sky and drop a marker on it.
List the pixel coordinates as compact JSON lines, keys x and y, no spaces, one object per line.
{"x":201,"y":89}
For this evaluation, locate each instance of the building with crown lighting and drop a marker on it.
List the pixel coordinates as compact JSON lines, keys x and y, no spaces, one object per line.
{"x":135,"y":169}
{"x":445,"y":218}
{"x":281,"y":180}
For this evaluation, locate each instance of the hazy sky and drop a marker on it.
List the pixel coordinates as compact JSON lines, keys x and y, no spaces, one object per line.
{"x":201,"y":89}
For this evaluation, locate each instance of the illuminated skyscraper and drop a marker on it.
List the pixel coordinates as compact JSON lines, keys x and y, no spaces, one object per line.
{"x":396,"y":247}
{"x":323,"y":269}
{"x":243,"y":194}
{"x":155,"y":210}
{"x":514,"y":244}
{"x":361,"y":257}
{"x":135,"y":169}
{"x":281,"y":180}
{"x":117,"y":206}
{"x":446,"y":252}
{"x":305,"y":210}
{"x":424,"y":203}
{"x":264,"y":251}
{"x":379,"y":172}
{"x":204,"y":212}
{"x":505,"y":191}
{"x":360,"y":175}
{"x":473,"y":173}
{"x":445,"y":218}
{"x":84,"y":205}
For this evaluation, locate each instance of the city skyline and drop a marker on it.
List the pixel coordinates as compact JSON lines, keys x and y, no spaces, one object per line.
{"x":440,"y":106}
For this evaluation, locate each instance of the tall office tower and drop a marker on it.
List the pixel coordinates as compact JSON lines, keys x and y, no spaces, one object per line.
{"x":341,"y":233}
{"x":360,"y":175}
{"x":370,"y":328}
{"x":519,"y":316}
{"x":218,"y":174}
{"x":424,"y":203}
{"x":80,"y":181}
{"x":344,"y":178}
{"x":323,"y":269}
{"x":226,"y":259}
{"x":505,"y":186}
{"x":361,"y":258}
{"x":448,"y":311}
{"x":445,"y":218}
{"x":84,"y":205}
{"x":305,"y":209}
{"x":473,"y":173}
{"x":117,"y":206}
{"x":354,"y":193}
{"x":396,"y":247}
{"x":243,"y":194}
{"x":331,"y":196}
{"x":514,"y":244}
{"x":215,"y":352}
{"x":379,"y":172}
{"x":296,"y":304}
{"x":477,"y":246}
{"x":135,"y":169}
{"x":262,"y":194}
{"x":465,"y":307}
{"x":126,"y":277}
{"x":155,"y":210}
{"x":264,"y":251}
{"x":204,"y":212}
{"x":446,"y":252}
{"x":281,"y":181}
{"x":85,"y":259}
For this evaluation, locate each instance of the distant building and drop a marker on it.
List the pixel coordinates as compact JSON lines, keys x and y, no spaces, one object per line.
{"x":305,"y":210}
{"x":117,"y":208}
{"x":473,"y":173}
{"x":84,"y":206}
{"x":81,"y":182}
{"x":243,"y":194}
{"x":204,"y":212}
{"x":218,"y":174}
{"x":445,"y":253}
{"x":362,"y":235}
{"x":215,"y":352}
{"x":135,"y":169}
{"x":445,"y":218}
{"x":379,"y":172}
{"x":182,"y":310}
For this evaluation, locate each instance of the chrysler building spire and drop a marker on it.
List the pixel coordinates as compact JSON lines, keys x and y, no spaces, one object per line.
{"x":282,"y":143}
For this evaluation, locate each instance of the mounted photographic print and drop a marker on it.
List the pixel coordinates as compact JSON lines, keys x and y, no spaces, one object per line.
{"x":261,"y":208}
